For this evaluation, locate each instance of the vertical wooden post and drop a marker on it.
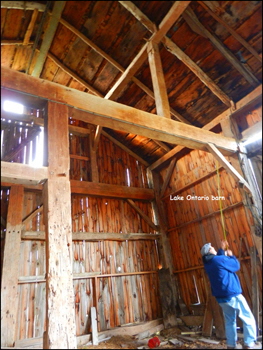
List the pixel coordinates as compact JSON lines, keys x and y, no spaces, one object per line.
{"x":10,"y":273}
{"x":168,"y":291}
{"x":60,"y":311}
{"x":229,"y":128}
{"x":93,"y":158}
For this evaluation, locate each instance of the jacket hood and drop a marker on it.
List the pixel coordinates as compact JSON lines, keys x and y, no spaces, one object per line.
{"x":207,"y":258}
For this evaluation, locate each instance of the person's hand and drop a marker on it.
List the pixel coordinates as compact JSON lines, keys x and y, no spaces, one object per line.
{"x":229,"y":252}
{"x":224,"y":245}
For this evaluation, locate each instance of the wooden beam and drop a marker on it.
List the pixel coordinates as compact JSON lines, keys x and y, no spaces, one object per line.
{"x":191,"y":18}
{"x":175,"y":50}
{"x":11,"y":263}
{"x":251,"y":99}
{"x":232,"y":31}
{"x":94,"y":236}
{"x":144,"y":216}
{"x":169,"y":20}
{"x":14,"y":42}
{"x":48,"y":37}
{"x":159,"y":87}
{"x":117,"y":116}
{"x":229,"y":168}
{"x":174,"y":13}
{"x":60,"y":303}
{"x":141,"y":17}
{"x":22,"y":173}
{"x":32,"y":215}
{"x":30,"y":27}
{"x":73,"y":75}
{"x":167,"y":177}
{"x":111,"y":191}
{"x":23,"y":5}
{"x":93,"y":157}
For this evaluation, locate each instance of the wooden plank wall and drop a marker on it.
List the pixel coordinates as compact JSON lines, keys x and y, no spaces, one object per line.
{"x":118,"y":277}
{"x":194,"y":222}
{"x":20,"y":140}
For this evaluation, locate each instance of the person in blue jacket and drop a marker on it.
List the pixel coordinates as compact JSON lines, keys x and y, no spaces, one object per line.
{"x":221,"y":268}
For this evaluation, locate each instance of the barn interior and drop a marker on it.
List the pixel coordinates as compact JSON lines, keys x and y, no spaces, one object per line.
{"x":135,"y":138}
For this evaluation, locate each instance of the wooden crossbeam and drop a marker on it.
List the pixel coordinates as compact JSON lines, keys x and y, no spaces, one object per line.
{"x":117,"y":116}
{"x":22,"y":173}
{"x":175,"y":50}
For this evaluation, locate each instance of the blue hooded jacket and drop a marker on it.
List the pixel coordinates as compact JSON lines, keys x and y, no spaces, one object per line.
{"x":221,"y":272}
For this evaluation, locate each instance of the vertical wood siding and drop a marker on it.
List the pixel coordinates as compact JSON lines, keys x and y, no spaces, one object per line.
{"x":192,"y":223}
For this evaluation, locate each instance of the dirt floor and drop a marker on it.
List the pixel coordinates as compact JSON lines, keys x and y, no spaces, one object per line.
{"x":166,"y":338}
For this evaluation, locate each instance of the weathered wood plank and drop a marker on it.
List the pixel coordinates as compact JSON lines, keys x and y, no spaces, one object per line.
{"x":9,"y":287}
{"x":94,"y":236}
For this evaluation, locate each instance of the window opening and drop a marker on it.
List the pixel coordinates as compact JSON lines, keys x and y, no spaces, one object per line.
{"x":14,"y":107}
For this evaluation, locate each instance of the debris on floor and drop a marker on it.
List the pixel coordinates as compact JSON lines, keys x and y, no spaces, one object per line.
{"x":172,"y":338}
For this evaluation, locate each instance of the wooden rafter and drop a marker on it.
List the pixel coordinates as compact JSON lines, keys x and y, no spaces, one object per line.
{"x":48,"y":37}
{"x":194,"y":22}
{"x":30,"y":27}
{"x":232,"y":31}
{"x":175,"y":50}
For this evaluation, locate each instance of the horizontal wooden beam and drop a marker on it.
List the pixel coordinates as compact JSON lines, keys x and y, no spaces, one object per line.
{"x":94,"y":236}
{"x":22,"y":173}
{"x":111,"y":191}
{"x":84,"y":275}
{"x":117,"y":116}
